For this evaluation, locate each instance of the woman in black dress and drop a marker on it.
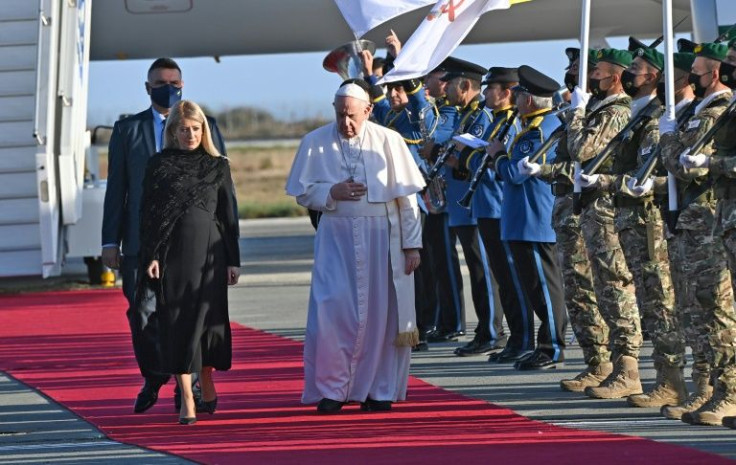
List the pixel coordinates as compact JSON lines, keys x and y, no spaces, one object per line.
{"x":189,"y":248}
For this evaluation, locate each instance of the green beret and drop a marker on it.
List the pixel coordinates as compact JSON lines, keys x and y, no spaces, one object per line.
{"x":712,"y":51}
{"x":651,"y":56}
{"x":683,"y":61}
{"x":617,"y":57}
{"x":592,"y":57}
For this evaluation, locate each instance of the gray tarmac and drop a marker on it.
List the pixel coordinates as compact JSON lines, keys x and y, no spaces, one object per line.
{"x":272,"y":295}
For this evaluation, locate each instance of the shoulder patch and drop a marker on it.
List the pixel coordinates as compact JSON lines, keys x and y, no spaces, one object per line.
{"x":693,"y":124}
{"x":476,"y":130}
{"x":526,"y":146}
{"x":646,"y":150}
{"x":443,"y":119}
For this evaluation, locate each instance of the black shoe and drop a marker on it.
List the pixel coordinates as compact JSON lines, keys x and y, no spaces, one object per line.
{"x":204,"y":406}
{"x":371,"y":405}
{"x":329,"y":406}
{"x":147,"y":397}
{"x":421,"y":347}
{"x":187,"y":420}
{"x":509,"y":355}
{"x":423,"y":333}
{"x":444,"y":336}
{"x":478,"y":347}
{"x":539,"y":361}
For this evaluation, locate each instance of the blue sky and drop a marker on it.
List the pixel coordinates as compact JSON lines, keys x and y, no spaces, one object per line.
{"x":294,"y":85}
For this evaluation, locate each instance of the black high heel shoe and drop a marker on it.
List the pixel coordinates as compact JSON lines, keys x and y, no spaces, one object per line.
{"x":187,"y":420}
{"x":208,"y":406}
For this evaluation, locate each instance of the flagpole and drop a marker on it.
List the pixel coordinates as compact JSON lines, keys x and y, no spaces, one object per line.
{"x":669,"y":67}
{"x":582,"y":83}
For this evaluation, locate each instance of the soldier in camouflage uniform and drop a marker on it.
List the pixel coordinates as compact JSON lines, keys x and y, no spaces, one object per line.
{"x":587,"y":135}
{"x":639,"y":224}
{"x":720,"y":319}
{"x":588,"y":325}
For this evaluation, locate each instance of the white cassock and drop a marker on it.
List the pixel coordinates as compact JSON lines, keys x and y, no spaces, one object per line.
{"x":361,"y":321}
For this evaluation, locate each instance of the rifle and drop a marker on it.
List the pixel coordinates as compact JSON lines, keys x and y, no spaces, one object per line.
{"x":717,"y":125}
{"x":647,"y":168}
{"x":623,"y":136}
{"x":478,"y":175}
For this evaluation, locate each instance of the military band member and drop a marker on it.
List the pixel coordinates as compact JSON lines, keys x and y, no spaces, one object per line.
{"x":717,"y":319}
{"x":526,"y":225}
{"x":588,"y":133}
{"x":463,"y":90}
{"x":485,"y":208}
{"x":588,"y":325}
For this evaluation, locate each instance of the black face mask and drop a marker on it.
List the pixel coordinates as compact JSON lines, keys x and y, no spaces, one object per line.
{"x":627,"y":81}
{"x":694,"y":79}
{"x":571,"y":81}
{"x":595,"y":86}
{"x":726,"y":75}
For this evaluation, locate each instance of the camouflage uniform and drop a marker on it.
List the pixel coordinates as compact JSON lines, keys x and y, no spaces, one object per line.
{"x":700,"y":256}
{"x":722,"y":323}
{"x":588,"y":135}
{"x":588,"y":325}
{"x":639,"y":224}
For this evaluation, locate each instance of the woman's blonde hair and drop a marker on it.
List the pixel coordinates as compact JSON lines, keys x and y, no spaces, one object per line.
{"x":186,"y":109}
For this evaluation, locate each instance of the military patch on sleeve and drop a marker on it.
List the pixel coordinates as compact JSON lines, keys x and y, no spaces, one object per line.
{"x":476,"y":130}
{"x":646,"y":150}
{"x":443,"y":119}
{"x":693,"y":124}
{"x":526,"y":146}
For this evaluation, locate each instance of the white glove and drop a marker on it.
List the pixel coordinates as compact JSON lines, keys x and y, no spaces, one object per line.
{"x":587,"y":180}
{"x":642,"y":189}
{"x":579,"y":99}
{"x":690,"y":162}
{"x":528,"y":169}
{"x":667,"y":124}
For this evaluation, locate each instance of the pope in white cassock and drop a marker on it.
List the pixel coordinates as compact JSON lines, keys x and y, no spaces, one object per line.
{"x":361,"y":321}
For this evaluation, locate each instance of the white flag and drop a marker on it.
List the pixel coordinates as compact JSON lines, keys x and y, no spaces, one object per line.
{"x":364,"y":15}
{"x":438,"y":36}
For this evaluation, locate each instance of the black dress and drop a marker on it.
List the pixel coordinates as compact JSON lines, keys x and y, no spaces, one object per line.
{"x":189,"y":225}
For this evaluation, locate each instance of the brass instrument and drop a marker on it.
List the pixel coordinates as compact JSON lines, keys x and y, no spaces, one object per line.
{"x":434,"y":194}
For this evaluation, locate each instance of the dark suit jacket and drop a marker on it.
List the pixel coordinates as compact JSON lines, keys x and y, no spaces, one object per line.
{"x":131,"y":144}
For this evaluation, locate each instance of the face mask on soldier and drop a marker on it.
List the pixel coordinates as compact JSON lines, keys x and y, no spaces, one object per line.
{"x":627,"y":81}
{"x":726,"y":74}
{"x":595,"y":86}
{"x":695,"y":80}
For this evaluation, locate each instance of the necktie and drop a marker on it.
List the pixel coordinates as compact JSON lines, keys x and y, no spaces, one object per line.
{"x":163,"y":131}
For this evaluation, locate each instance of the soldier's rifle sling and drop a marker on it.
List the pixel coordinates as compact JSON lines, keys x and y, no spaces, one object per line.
{"x":717,"y":125}
{"x":647,"y":168}
{"x":485,"y":161}
{"x":625,"y":134}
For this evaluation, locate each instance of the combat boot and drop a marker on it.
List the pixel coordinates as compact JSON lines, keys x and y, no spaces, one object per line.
{"x":711,"y":413}
{"x":703,"y":392}
{"x":593,"y":375}
{"x":670,"y":389}
{"x":622,"y":382}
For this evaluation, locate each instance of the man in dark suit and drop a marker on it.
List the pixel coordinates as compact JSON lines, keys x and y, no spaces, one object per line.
{"x":134,"y":139}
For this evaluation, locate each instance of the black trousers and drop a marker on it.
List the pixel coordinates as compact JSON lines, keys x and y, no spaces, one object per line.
{"x":450,"y":311}
{"x":541,"y":280}
{"x":483,"y":289}
{"x":507,"y":286}
{"x":143,"y":324}
{"x":425,"y":284}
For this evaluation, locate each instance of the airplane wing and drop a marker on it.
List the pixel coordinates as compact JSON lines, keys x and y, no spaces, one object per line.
{"x":133,"y":29}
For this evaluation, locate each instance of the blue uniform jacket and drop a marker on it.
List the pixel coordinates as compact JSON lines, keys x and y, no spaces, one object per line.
{"x":474,"y":119}
{"x":526,"y":214}
{"x":488,"y":196}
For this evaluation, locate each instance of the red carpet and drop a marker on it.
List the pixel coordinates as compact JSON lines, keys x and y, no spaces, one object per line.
{"x":75,"y":347}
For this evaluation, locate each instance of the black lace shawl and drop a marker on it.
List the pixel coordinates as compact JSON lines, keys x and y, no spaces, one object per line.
{"x":175,"y":180}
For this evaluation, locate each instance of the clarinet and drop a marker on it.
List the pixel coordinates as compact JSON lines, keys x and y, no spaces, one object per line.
{"x":478,"y":175}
